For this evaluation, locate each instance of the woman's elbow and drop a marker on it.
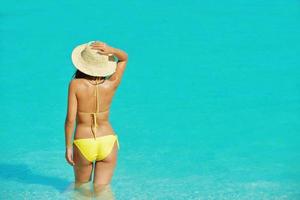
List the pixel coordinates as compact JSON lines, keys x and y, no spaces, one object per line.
{"x":69,"y":121}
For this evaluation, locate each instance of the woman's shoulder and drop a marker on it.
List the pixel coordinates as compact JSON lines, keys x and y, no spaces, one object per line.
{"x":77,"y":82}
{"x":74,"y":82}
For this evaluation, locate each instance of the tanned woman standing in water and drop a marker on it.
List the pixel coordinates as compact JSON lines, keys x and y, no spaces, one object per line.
{"x":90,"y":95}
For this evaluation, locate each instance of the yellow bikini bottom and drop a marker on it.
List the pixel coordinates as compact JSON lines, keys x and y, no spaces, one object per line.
{"x":96,"y":148}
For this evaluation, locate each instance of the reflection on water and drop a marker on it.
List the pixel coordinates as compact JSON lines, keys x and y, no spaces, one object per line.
{"x":86,"y":191}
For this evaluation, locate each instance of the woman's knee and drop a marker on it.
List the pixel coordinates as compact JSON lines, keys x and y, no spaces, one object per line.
{"x":100,"y":187}
{"x":79,"y":183}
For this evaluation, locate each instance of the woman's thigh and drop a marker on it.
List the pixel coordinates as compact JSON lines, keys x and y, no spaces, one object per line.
{"x":82,"y":168}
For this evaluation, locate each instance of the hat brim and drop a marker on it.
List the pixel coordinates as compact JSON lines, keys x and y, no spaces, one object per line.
{"x":100,"y":69}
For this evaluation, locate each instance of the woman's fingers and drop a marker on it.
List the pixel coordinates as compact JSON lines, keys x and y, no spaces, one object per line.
{"x":69,"y":158}
{"x":99,"y":48}
{"x":98,"y":44}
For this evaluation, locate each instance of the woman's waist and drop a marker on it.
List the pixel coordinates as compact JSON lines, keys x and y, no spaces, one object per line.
{"x":89,"y":123}
{"x":84,"y":131}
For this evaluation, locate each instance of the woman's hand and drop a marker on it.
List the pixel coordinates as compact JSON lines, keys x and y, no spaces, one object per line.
{"x":102,"y":47}
{"x":69,"y":156}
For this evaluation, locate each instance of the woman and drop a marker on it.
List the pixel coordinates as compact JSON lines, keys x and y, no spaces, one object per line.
{"x":90,"y":95}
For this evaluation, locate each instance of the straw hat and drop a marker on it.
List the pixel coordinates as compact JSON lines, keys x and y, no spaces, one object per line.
{"x":91,"y":62}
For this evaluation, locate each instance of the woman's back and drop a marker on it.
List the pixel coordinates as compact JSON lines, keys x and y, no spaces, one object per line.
{"x":93,"y":107}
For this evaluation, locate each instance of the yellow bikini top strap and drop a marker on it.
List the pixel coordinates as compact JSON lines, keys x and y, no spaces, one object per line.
{"x":97,"y":96}
{"x":94,"y":128}
{"x":95,"y":113}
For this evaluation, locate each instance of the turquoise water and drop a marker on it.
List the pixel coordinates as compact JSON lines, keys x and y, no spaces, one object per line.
{"x":208,"y":108}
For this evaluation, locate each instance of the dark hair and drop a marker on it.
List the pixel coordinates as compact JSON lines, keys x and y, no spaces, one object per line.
{"x":80,"y":74}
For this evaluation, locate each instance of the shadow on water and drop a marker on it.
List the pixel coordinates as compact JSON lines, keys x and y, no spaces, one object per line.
{"x":21,"y":173}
